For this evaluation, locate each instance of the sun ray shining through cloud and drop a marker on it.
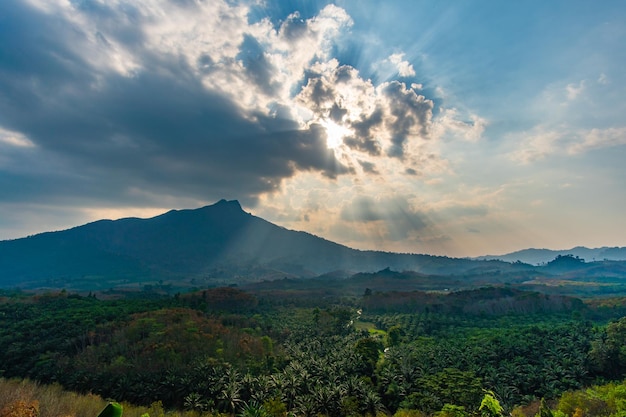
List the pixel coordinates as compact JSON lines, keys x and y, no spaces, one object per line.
{"x":335,"y":133}
{"x":423,"y":129}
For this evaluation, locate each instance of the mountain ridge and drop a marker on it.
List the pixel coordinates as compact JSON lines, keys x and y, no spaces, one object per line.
{"x":219,"y":241}
{"x":535,"y":256}
{"x":221,"y":244}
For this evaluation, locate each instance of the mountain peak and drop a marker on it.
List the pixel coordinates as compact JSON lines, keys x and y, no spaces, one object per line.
{"x":228,"y":203}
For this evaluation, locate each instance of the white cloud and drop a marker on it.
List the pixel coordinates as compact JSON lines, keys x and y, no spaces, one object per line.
{"x":405,"y":68}
{"x":384,"y":118}
{"x":14,"y":139}
{"x":598,"y":138}
{"x":543,"y":142}
{"x":603,"y":79}
{"x":450,"y":123}
{"x":574,"y":90}
{"x":535,"y":145}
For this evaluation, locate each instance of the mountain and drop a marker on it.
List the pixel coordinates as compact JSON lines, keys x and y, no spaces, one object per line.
{"x":542,"y":256}
{"x":220,"y":243}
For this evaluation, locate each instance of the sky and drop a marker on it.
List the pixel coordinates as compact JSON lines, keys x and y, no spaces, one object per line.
{"x":447,"y":128}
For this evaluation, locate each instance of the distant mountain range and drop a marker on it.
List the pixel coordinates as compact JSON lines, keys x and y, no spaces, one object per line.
{"x":542,"y":256}
{"x":220,"y":245}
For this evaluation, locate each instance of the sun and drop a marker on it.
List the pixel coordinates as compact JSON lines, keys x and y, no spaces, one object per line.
{"x":334,"y":133}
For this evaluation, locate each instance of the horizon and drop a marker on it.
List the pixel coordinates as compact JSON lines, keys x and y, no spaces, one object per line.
{"x":458,"y":130}
{"x":248,"y":212}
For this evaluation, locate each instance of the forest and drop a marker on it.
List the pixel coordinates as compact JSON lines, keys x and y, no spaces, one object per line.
{"x":233,"y":352}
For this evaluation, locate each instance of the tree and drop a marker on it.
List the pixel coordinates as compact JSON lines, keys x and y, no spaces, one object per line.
{"x":369,"y":350}
{"x":490,"y":406}
{"x":544,"y":410}
{"x":451,"y":386}
{"x":608,"y":352}
{"x":393,"y":335}
{"x":450,"y":410}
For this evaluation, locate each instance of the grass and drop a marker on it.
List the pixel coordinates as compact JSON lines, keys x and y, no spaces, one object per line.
{"x":19,"y":397}
{"x":370,"y":327}
{"x":52,"y":400}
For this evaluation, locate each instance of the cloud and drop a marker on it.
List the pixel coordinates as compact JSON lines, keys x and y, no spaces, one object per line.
{"x":598,"y":138}
{"x":542,"y":142}
{"x":405,"y":69}
{"x":14,"y":139}
{"x":181,"y":98}
{"x":394,"y":217}
{"x":368,"y":167}
{"x":574,"y":90}
{"x":383,"y":118}
{"x":153,"y":103}
{"x":410,"y":115}
{"x":449,"y":123}
{"x":466,"y":210}
{"x":394,"y":66}
{"x":603,"y":79}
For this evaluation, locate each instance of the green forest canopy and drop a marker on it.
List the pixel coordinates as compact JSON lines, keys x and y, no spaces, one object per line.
{"x":224,"y":349}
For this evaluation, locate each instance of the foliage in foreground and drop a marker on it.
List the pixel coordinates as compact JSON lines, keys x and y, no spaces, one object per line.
{"x":25,"y":398}
{"x":219,"y":351}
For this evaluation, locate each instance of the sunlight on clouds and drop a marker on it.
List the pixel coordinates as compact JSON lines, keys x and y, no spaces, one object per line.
{"x":287,"y":90}
{"x":115,"y":213}
{"x":22,"y":219}
{"x":405,"y":69}
{"x":260,"y":66}
{"x":15,"y":139}
{"x":335,"y":133}
{"x":366,"y":211}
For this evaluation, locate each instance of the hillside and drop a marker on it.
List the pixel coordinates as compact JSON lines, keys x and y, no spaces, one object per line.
{"x":220,"y":243}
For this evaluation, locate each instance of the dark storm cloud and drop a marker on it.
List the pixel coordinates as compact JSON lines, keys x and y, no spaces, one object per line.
{"x":29,"y":47}
{"x":158,"y":130}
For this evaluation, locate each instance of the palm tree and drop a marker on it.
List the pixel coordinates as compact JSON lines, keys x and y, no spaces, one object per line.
{"x":305,"y":406}
{"x":196,"y":402}
{"x":253,"y":409}
{"x":230,"y":395}
{"x":326,"y":400}
{"x":371,"y":403}
{"x":263,"y":389}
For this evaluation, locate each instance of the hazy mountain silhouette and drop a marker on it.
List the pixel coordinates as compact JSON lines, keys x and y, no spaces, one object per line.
{"x":218,"y":241}
{"x":540,"y":256}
